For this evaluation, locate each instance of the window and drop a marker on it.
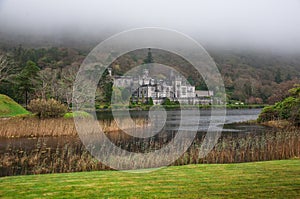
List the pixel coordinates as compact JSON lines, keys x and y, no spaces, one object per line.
{"x":183,"y":91}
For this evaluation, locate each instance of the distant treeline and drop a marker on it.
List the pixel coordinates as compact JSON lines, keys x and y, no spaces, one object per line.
{"x":252,"y":78}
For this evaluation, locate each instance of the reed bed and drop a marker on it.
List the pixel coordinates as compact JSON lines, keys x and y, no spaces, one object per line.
{"x":70,"y":155}
{"x":33,"y":127}
{"x":283,"y":144}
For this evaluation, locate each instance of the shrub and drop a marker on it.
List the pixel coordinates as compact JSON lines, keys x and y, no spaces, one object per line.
{"x":80,"y":114}
{"x":170,"y":104}
{"x":295,"y":116}
{"x":285,"y":107}
{"x":47,"y":108}
{"x":167,"y":102}
{"x":288,"y":109}
{"x":268,"y":113}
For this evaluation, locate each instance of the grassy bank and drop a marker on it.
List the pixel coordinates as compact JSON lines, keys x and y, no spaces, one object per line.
{"x":9,"y":108}
{"x":273,"y":179}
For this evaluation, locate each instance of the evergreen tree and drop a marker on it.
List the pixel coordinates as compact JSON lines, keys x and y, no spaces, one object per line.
{"x":28,"y":80}
{"x":149,"y":58}
{"x":278,"y":76}
{"x":108,"y":91}
{"x":288,"y":77}
{"x":150,"y":102}
{"x":106,"y":85}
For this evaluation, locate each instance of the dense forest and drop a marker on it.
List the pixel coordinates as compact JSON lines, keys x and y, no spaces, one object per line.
{"x":249,"y":77}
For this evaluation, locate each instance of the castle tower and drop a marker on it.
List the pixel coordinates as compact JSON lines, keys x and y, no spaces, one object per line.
{"x":145,"y":73}
{"x":171,"y":75}
{"x":109,"y":71}
{"x":177,"y":85}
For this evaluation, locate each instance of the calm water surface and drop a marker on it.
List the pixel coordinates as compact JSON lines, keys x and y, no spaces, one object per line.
{"x":172,"y":125}
{"x":190,"y":119}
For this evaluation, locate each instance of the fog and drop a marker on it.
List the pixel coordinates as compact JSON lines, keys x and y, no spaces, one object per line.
{"x":273,"y":24}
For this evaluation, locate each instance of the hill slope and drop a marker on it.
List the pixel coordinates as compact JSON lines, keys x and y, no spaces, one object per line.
{"x":8,"y":107}
{"x":272,"y":179}
{"x":250,"y":76}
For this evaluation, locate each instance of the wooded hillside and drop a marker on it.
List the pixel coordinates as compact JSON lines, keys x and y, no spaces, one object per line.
{"x":250,"y":77}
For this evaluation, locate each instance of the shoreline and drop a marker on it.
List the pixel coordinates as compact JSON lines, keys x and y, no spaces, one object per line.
{"x":182,"y":107}
{"x":60,"y":127}
{"x":22,"y":127}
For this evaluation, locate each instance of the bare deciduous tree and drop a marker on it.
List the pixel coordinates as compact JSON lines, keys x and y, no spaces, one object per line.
{"x":7,"y":67}
{"x":65,"y":91}
{"x":49,"y":85}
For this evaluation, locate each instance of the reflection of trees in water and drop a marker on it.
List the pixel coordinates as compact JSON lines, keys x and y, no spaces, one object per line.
{"x":111,"y":125}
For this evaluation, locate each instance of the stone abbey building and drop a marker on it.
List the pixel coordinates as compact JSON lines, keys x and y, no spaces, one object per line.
{"x":176,"y":88}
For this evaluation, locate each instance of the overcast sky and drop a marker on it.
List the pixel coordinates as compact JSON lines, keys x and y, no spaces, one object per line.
{"x":272,"y":23}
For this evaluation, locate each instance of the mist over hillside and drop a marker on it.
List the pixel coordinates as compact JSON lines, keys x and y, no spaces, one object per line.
{"x":255,"y":44}
{"x":271,"y":25}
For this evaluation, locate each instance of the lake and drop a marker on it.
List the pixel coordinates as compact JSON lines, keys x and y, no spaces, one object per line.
{"x":238,"y":143}
{"x":191,"y":118}
{"x":172,"y":124}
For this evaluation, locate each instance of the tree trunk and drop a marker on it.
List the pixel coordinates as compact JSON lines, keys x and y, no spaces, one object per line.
{"x":26,"y":99}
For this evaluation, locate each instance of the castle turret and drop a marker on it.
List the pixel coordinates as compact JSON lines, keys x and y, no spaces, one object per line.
{"x":109,"y":71}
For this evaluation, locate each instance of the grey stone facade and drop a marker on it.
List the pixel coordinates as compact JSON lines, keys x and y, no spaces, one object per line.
{"x":144,"y":87}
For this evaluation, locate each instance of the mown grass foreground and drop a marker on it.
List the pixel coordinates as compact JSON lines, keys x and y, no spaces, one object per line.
{"x":271,"y":179}
{"x":8,"y":107}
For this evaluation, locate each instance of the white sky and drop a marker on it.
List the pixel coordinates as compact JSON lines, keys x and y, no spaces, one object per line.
{"x":273,"y":23}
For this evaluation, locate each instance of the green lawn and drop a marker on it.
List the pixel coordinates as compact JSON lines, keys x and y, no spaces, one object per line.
{"x":273,"y":179}
{"x":9,"y":108}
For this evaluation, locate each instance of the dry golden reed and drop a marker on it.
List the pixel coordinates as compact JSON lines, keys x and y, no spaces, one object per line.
{"x":34,"y":127}
{"x":72,"y":156}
